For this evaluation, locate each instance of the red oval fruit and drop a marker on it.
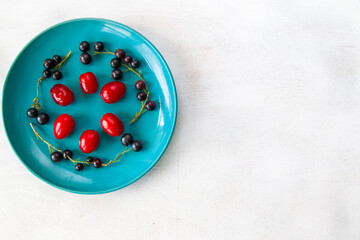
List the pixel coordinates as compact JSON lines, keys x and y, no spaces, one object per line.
{"x":89,"y":141}
{"x":112,"y":125}
{"x":88,"y":83}
{"x":63,"y":126}
{"x":62,"y":95}
{"x":112,"y":92}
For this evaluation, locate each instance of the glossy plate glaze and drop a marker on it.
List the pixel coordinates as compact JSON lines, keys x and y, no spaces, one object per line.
{"x":154,"y":128}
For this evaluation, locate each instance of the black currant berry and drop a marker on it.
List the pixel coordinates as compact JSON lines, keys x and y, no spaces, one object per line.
{"x":56,"y":156}
{"x":57,"y":59}
{"x":150,"y":105}
{"x":46,"y":73}
{"x":135,"y":63}
{"x":97,"y":163}
{"x":49,"y":63}
{"x":119,"y":53}
{"x":85,"y":58}
{"x":115,"y":63}
{"x":136,"y":146}
{"x":67,"y":153}
{"x":116,"y":74}
{"x":141,"y":96}
{"x":140,"y":85}
{"x":32,"y":112}
{"x":57,"y":75}
{"x":127,"y":59}
{"x":42,"y":118}
{"x":84,"y":46}
{"x":89,"y":159}
{"x":99,"y":46}
{"x":126,"y":139}
{"x":79,"y":167}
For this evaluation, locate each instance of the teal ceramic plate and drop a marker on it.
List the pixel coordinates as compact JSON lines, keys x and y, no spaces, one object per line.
{"x":154,"y":128}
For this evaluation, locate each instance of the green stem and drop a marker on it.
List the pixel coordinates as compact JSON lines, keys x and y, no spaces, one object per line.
{"x":117,"y":158}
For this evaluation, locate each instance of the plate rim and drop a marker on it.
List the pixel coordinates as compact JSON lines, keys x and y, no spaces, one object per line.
{"x":161,"y":58}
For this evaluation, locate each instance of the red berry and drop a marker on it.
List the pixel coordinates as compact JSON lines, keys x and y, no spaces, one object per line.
{"x":89,"y":141}
{"x":112,"y":125}
{"x":112,"y":92}
{"x":63,"y":126}
{"x":88,"y":83}
{"x":62,"y":95}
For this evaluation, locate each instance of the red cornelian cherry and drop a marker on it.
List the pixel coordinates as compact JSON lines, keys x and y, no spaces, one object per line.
{"x":89,"y":141}
{"x":112,"y":125}
{"x":63,"y":126}
{"x":62,"y":95}
{"x":113,"y":92}
{"x":88,"y":83}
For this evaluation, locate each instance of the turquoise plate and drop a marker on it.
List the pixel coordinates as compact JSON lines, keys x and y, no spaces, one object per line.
{"x":154,"y":128}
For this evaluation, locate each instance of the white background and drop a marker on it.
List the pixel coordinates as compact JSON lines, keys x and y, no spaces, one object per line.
{"x":266,"y":143}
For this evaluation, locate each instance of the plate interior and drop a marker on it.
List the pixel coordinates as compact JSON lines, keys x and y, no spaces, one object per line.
{"x":154,"y":128}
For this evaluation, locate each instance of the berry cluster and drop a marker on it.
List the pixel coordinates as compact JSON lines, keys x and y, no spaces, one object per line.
{"x":115,"y":63}
{"x":130,"y":64}
{"x":111,"y":124}
{"x":41,"y":118}
{"x":126,"y":139}
{"x":85,"y":58}
{"x":50,"y":67}
{"x":56,"y":155}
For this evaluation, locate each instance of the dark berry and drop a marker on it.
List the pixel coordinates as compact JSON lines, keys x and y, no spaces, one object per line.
{"x":136,"y":146}
{"x":126,"y":139}
{"x":119,"y":53}
{"x":85,"y":58}
{"x":135,"y":63}
{"x":46,"y":73}
{"x":84,"y":46}
{"x":79,"y":167}
{"x":56,"y":156}
{"x":116,"y":74}
{"x":97,"y":163}
{"x":140,"y":85}
{"x":115,"y":63}
{"x":57,"y":59}
{"x":99,"y":46}
{"x":150,"y":105}
{"x":42,"y":118}
{"x":49,"y":63}
{"x":128,"y":59}
{"x":67,"y":153}
{"x":57,"y":75}
{"x":89,"y":159}
{"x":141,"y":96}
{"x":32,"y":112}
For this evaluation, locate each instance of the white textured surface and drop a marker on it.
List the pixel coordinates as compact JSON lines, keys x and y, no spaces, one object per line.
{"x":266,"y":144}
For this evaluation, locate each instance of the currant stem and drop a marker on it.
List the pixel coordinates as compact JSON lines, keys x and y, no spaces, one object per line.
{"x":142,"y":109}
{"x":36,"y":100}
{"x":117,"y":158}
{"x":63,"y":61}
{"x":105,"y":52}
{"x":129,"y":68}
{"x":51,"y":147}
